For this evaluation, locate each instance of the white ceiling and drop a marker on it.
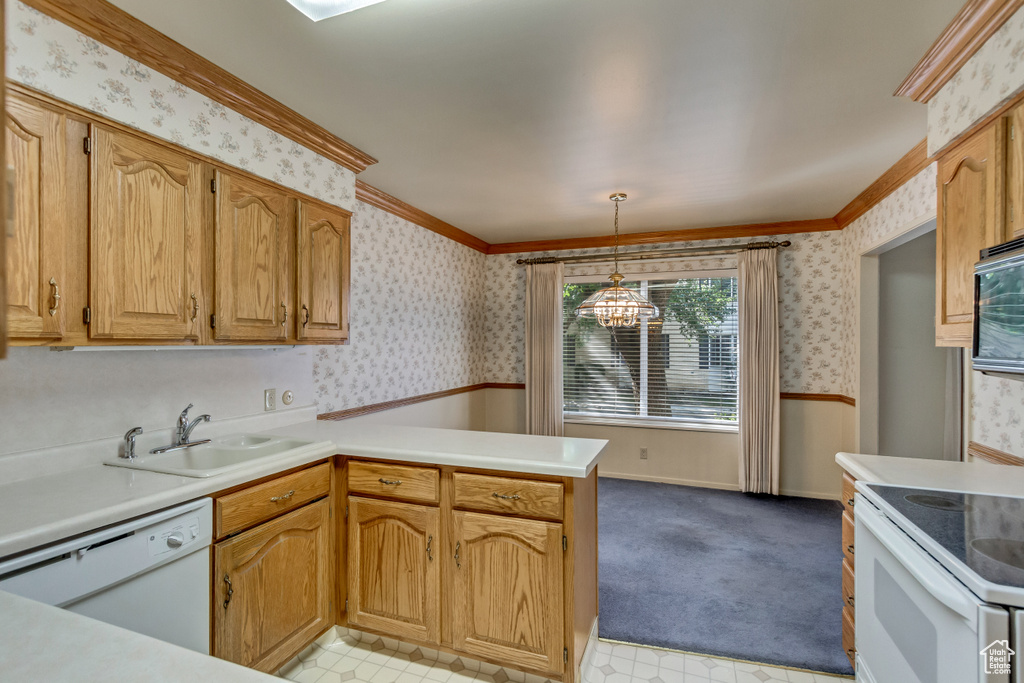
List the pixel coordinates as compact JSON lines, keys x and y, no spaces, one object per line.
{"x":515,"y":119}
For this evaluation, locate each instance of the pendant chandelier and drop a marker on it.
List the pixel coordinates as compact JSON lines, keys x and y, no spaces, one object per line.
{"x":617,"y":306}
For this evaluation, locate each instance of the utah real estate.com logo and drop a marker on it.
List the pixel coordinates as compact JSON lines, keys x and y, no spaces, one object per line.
{"x":997,"y":657}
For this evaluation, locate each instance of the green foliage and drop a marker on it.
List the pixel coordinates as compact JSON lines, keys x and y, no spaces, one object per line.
{"x":700,"y":305}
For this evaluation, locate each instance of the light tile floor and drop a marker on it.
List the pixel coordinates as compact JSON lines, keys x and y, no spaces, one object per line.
{"x":344,"y":655}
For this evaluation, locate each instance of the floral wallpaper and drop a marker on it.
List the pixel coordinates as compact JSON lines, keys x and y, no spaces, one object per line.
{"x":993,"y":75}
{"x":44,"y":54}
{"x":997,"y":409}
{"x":417,"y":320}
{"x":810,"y":282}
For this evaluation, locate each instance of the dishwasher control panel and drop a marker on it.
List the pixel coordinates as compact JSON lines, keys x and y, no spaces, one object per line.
{"x":181,"y":534}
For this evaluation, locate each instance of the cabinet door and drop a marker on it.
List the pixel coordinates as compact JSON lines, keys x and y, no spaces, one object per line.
{"x":323,"y":273}
{"x":1015,"y":173}
{"x":34,"y":143}
{"x":508,"y":600}
{"x":272,"y":588}
{"x":970,"y":218}
{"x":145,"y":239}
{"x":393,"y":568}
{"x":253,"y":227}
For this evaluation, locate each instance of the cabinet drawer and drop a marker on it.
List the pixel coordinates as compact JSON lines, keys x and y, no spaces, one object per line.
{"x":848,"y":537}
{"x":848,"y":587}
{"x":848,"y":490}
{"x":849,"y":635}
{"x":503,"y":494}
{"x":248,"y":507}
{"x":393,"y":481}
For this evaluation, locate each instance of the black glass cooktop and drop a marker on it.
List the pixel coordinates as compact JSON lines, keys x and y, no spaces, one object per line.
{"x":986,"y":533}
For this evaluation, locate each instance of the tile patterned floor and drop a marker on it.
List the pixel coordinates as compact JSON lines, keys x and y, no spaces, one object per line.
{"x":355,"y":657}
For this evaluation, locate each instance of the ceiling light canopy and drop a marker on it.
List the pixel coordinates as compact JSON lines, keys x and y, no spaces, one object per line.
{"x":617,"y":306}
{"x":324,"y":9}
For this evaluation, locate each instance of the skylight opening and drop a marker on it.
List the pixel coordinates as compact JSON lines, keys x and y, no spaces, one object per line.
{"x":318,"y":10}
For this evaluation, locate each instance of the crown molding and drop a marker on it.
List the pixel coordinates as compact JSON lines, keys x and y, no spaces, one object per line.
{"x":382,"y":200}
{"x":970,"y":28}
{"x":664,"y":236}
{"x":912,"y":163}
{"x":116,"y":28}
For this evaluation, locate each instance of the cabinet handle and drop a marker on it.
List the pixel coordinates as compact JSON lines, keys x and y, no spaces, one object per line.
{"x":305,"y":317}
{"x":284,"y":497}
{"x":458,"y":563}
{"x":231,"y":591}
{"x":56,"y":296}
{"x":850,"y":548}
{"x":514,"y":496}
{"x":284,"y":318}
{"x":850,"y":502}
{"x":430,"y":553}
{"x":195,"y":307}
{"x":849,"y":600}
{"x":390,"y":482}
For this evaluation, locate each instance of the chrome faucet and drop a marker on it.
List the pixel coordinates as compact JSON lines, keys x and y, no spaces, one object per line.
{"x":129,"y":443}
{"x":183,"y":431}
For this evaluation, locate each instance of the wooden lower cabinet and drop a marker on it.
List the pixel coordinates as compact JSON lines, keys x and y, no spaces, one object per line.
{"x":849,"y":576}
{"x":272,"y":588}
{"x":508,"y":595}
{"x":394,"y":562}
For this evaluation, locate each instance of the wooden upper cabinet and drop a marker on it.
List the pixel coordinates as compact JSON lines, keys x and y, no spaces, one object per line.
{"x":35,"y":150}
{"x":254,"y":223}
{"x":1015,"y":172}
{"x":394,"y":559}
{"x":272,"y":588}
{"x":323,"y":273}
{"x":145,"y":239}
{"x":508,"y":595}
{"x":970,"y":218}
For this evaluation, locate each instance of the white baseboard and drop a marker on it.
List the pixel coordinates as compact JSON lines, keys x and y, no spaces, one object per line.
{"x":670,"y":480}
{"x":714,"y":485}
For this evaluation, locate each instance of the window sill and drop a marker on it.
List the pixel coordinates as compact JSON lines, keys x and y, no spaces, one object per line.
{"x":652,"y":424}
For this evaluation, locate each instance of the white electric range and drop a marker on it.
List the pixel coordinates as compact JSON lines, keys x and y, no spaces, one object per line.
{"x":940,"y":586}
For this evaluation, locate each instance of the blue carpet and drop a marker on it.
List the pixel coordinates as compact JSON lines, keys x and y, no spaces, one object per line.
{"x":722,"y":573}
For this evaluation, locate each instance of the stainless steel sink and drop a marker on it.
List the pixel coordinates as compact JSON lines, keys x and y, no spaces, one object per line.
{"x":218,"y":456}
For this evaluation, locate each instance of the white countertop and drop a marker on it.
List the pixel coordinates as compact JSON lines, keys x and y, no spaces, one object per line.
{"x":42,"y":502}
{"x":43,"y":643}
{"x":943,"y":475}
{"x":561,"y":457}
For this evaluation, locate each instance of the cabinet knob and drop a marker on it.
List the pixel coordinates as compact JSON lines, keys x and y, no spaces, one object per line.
{"x":195,"y":307}
{"x":55,"y":293}
{"x":458,"y":546}
{"x":231,"y":591}
{"x":430,"y":552}
{"x":305,"y":315}
{"x":284,"y":315}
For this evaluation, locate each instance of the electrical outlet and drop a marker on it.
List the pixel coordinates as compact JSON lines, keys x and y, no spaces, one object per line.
{"x":269,"y":399}
{"x":643,"y":453}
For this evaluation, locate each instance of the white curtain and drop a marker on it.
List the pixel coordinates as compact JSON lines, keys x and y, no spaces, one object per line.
{"x":544,"y":349}
{"x":759,"y":371}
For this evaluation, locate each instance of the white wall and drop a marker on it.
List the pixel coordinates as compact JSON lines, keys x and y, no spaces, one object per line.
{"x":911,"y":369}
{"x":51,"y":398}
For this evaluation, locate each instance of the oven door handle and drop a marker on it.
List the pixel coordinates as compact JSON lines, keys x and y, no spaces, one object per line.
{"x":933,"y":578}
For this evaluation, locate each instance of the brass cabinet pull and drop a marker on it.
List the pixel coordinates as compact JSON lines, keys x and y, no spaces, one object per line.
{"x":514,"y":496}
{"x":284,"y":497}
{"x":850,"y":548}
{"x":457,"y":562}
{"x":390,"y":482}
{"x":195,"y":307}
{"x":305,"y":317}
{"x":430,"y":553}
{"x":231,"y":591}
{"x":56,"y":296}
{"x":849,"y":600}
{"x":284,"y":319}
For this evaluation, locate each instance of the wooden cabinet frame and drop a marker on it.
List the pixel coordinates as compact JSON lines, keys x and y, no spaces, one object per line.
{"x":93,"y":310}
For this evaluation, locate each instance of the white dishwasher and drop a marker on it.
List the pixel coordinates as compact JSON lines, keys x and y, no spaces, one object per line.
{"x":150,"y":575}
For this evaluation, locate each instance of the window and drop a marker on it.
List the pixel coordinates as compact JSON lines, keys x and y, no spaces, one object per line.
{"x":676,"y":370}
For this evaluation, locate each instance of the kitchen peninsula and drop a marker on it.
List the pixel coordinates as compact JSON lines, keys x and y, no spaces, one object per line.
{"x":480,"y":544}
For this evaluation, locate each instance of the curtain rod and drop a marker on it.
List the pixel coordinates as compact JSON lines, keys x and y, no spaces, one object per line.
{"x":655,"y":254}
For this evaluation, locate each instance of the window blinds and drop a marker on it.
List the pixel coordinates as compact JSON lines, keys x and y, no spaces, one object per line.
{"x":680,"y":367}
